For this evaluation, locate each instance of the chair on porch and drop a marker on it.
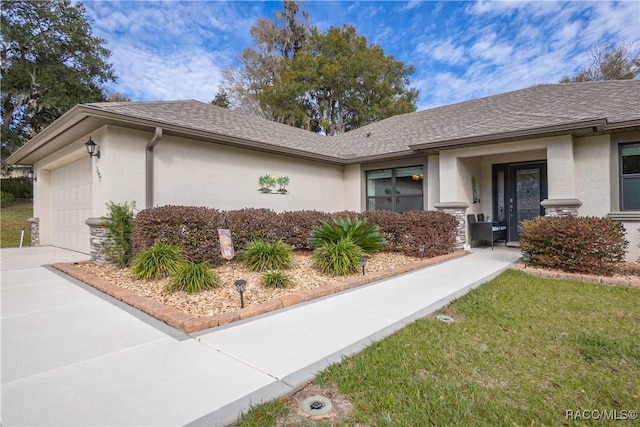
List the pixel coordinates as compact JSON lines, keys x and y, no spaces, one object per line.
{"x":486,"y":230}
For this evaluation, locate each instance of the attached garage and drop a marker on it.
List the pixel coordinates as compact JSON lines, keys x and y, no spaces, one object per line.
{"x":71,"y":205}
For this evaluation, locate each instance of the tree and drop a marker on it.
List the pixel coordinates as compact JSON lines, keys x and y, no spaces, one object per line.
{"x":339,"y":83}
{"x":49,"y":62}
{"x":118,"y":97}
{"x":274,"y":41}
{"x":331,"y":82}
{"x":221,"y":99}
{"x":608,"y":62}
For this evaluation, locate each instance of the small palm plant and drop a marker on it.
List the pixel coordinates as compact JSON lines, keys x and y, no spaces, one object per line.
{"x":359,"y":232}
{"x":160,"y":260}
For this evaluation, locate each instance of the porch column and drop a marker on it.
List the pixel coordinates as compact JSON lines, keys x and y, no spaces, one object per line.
{"x":459,"y":211}
{"x":562,"y":199}
{"x":98,"y":240}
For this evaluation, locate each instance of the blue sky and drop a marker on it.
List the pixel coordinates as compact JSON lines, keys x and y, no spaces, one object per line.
{"x":166,"y":50}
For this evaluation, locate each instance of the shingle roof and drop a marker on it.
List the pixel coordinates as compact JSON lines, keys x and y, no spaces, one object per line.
{"x":523,"y":110}
{"x":526,"y":113}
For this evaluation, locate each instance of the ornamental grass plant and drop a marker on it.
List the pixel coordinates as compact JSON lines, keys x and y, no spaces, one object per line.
{"x":262,"y":255}
{"x":159,"y":261}
{"x":193,"y":278}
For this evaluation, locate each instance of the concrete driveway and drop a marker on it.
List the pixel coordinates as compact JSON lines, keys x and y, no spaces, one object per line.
{"x":72,"y":356}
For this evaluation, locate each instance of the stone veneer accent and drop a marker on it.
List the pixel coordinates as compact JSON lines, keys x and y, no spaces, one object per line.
{"x":561,"y":207}
{"x":35,"y":231}
{"x":459,"y":211}
{"x":98,"y":240}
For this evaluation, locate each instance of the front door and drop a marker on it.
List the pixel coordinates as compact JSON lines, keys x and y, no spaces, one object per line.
{"x":518,"y":190}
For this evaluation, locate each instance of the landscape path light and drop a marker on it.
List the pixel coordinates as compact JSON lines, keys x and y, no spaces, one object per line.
{"x":421,"y":250}
{"x":363,"y":263}
{"x":240,"y":287}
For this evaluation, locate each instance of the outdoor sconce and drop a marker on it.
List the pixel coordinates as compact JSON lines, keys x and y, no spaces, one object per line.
{"x":92,"y":148}
{"x":363,"y":263}
{"x":240,"y":287}
{"x":421,"y":250}
{"x":526,"y":258}
{"x":31,"y":175}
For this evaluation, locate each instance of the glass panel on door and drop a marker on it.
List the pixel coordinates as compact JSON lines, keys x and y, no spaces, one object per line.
{"x":528,"y":195}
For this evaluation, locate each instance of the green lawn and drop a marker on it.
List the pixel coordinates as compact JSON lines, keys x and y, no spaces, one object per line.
{"x":13,"y":219}
{"x":522,"y":352}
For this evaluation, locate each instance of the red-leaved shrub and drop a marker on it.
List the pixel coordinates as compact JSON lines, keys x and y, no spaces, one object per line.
{"x":588,"y":245}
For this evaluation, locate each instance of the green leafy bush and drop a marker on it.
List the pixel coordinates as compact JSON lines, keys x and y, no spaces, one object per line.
{"x":21,"y":187}
{"x":574,"y":244}
{"x":261,"y":255}
{"x":358,"y":231}
{"x":338,"y":258}
{"x":275,"y":279}
{"x":6,"y":198}
{"x":193,"y":278}
{"x":120,"y":225}
{"x":160,"y":260}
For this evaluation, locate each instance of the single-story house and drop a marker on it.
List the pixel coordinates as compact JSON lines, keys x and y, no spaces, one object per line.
{"x":552,"y":149}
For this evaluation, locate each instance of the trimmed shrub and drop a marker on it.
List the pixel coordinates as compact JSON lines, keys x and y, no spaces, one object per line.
{"x":338,"y":258}
{"x":250,"y":224}
{"x":193,"y":278}
{"x":261,"y":255}
{"x":275,"y":279}
{"x":574,"y":244}
{"x":296,"y":227}
{"x":158,"y":261}
{"x":436,"y":230}
{"x":120,"y":226}
{"x":21,"y":187}
{"x":358,"y":231}
{"x":193,"y":229}
{"x":6,"y":198}
{"x":392,"y":226}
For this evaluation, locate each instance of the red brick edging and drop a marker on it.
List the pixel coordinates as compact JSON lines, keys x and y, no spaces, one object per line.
{"x":625,"y":281}
{"x":189,"y":324}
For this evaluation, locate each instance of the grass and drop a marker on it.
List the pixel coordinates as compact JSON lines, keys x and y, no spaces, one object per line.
{"x":523,"y":351}
{"x":14,"y":219}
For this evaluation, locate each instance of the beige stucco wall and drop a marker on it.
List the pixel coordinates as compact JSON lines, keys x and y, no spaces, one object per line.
{"x":188,"y":172}
{"x":592,"y":175}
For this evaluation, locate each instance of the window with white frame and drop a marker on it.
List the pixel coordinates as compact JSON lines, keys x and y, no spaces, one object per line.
{"x":630,"y":177}
{"x":396,"y":189}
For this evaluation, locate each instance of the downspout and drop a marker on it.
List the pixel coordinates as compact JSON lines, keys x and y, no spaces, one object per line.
{"x":149,"y":168}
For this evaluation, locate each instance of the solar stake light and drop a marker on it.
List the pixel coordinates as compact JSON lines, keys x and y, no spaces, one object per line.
{"x":526,"y":258}
{"x":363,"y":262}
{"x":240,"y":287}
{"x":421,"y":250}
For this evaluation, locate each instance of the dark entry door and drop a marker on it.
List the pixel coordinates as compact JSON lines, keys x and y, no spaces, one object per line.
{"x":518,"y":190}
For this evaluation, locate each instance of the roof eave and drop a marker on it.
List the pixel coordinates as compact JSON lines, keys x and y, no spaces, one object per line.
{"x":589,"y":126}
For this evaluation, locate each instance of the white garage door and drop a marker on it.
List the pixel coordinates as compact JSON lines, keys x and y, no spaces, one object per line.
{"x":71,"y":205}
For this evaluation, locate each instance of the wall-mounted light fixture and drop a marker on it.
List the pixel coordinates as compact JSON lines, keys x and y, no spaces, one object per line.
{"x":92,"y":148}
{"x":31,"y":175}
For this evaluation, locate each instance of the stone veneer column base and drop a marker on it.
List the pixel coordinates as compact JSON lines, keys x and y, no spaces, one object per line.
{"x":561,"y":207}
{"x":98,"y":240}
{"x":35,"y":231}
{"x":459,"y":211}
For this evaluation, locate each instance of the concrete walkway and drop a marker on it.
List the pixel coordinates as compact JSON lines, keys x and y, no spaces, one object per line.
{"x":74,"y":357}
